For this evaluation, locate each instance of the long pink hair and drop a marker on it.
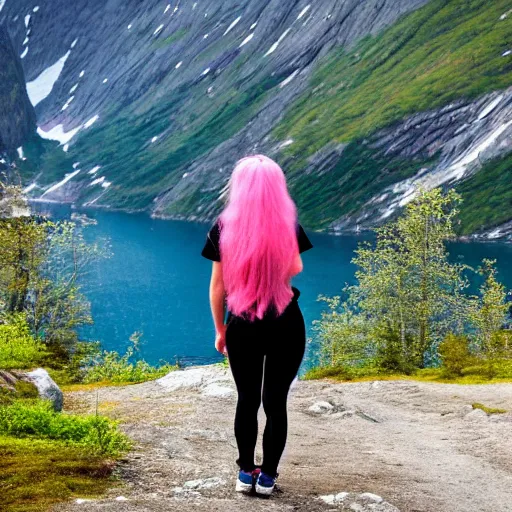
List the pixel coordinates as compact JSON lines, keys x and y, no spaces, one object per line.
{"x":258,"y":239}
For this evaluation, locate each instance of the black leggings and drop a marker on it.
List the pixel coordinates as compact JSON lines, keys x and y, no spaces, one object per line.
{"x":268,"y":350}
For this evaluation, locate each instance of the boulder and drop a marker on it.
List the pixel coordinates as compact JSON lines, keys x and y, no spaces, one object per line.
{"x":46,"y":387}
{"x":321,"y":407}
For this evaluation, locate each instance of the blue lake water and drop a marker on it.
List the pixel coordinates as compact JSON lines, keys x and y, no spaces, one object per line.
{"x":157,"y":281}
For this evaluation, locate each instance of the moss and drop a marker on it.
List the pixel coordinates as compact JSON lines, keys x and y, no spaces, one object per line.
{"x":26,"y":389}
{"x":488,"y":410}
{"x":36,"y":474}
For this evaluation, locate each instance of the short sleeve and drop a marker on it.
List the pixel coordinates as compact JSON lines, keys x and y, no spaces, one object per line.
{"x":211,"y":247}
{"x":302,"y":238}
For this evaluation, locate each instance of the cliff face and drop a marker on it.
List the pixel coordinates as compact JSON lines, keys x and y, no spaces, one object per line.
{"x":17,"y":116}
{"x":358,"y":101}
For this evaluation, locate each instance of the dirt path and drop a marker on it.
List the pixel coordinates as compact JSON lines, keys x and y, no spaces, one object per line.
{"x":419,"y":446}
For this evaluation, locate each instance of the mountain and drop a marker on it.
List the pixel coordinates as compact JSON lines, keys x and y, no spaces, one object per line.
{"x":17,"y":116}
{"x":359,"y":102}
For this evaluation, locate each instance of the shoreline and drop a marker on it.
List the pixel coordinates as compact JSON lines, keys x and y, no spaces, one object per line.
{"x":478,"y":238}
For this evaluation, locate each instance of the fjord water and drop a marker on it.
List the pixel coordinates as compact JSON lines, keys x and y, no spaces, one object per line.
{"x":157,"y":282}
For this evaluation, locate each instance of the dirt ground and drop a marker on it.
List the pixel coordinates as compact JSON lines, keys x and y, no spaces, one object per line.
{"x":421,"y":447}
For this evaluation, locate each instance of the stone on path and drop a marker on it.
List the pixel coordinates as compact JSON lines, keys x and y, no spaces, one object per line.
{"x":365,"y":502}
{"x":321,"y":407}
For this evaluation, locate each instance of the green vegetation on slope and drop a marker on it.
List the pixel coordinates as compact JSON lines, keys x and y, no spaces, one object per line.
{"x":446,"y":50}
{"x":142,"y":170}
{"x":443,"y":51}
{"x":361,"y":173}
{"x":18,"y":348}
{"x":37,"y":473}
{"x":487,"y":196}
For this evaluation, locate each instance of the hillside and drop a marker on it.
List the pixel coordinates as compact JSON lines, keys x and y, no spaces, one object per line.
{"x":359,"y":101}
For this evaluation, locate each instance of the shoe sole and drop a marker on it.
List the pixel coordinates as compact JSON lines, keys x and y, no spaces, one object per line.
{"x":242,"y":487}
{"x":266,"y":491}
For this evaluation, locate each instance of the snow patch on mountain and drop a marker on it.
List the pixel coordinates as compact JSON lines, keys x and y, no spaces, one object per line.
{"x":303,"y":12}
{"x":246,"y":40}
{"x":60,"y":183}
{"x":42,"y":86}
{"x":273,"y":48}
{"x":58,"y":133}
{"x":232,"y":25}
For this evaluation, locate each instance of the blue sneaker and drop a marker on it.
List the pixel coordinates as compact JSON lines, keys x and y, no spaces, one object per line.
{"x":265,"y":484}
{"x":245,"y":481}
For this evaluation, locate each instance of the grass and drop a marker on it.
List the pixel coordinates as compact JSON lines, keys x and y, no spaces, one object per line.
{"x":144,"y":170}
{"x":359,"y":175}
{"x":471,"y":375}
{"x":37,"y":419}
{"x":36,"y":474}
{"x":487,"y":196}
{"x":488,"y":410}
{"x":18,"y":348}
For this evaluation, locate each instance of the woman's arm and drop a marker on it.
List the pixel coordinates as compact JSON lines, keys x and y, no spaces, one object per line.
{"x":297,"y":265}
{"x":217,"y":296}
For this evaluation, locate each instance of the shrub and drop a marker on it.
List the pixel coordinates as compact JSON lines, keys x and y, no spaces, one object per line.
{"x":454,"y":352}
{"x":24,"y":418}
{"x":112,"y":367}
{"x":391,"y":354}
{"x":18,"y":348}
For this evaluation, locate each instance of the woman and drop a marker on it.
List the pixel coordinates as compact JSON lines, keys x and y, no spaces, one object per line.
{"x":255,"y":245}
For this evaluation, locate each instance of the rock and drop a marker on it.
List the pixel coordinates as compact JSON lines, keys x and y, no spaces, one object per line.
{"x":121,"y":498}
{"x":17,"y":115}
{"x":182,"y":379}
{"x":365,"y":502}
{"x":476,"y":415}
{"x":46,"y":387}
{"x":328,"y":498}
{"x":321,"y":408}
{"x":340,"y":497}
{"x":204,"y":483}
{"x":209,"y":380}
{"x":7,"y":381}
{"x":343,"y":414}
{"x":371,"y":497}
{"x":215,"y":389}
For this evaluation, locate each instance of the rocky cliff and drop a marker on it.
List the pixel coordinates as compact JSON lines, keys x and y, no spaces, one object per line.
{"x":17,"y":116}
{"x":154,"y":102}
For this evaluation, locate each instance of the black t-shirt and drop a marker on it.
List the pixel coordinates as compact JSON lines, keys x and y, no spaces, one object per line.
{"x":211,"y":247}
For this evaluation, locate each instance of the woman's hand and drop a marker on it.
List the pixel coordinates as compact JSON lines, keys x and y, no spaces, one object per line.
{"x":220,"y":341}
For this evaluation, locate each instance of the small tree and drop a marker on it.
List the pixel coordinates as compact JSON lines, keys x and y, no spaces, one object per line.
{"x":406,"y":283}
{"x":41,"y":264}
{"x":455,"y":355}
{"x":343,"y":335}
{"x":489,"y":316}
